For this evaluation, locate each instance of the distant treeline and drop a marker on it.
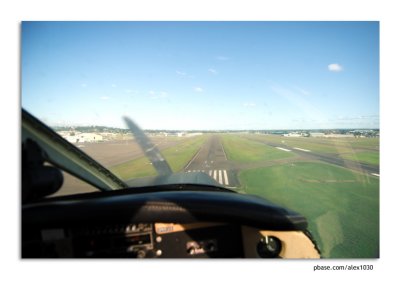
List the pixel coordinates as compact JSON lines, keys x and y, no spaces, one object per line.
{"x":92,"y":129}
{"x":103,"y":129}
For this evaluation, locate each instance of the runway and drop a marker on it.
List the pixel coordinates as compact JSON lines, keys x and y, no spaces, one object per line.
{"x":211,"y":159}
{"x":327,"y":158}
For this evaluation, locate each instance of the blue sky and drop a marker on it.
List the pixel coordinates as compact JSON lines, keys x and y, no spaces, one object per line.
{"x":202,"y":75}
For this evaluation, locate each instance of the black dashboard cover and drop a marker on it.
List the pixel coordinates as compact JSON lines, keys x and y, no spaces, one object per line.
{"x":164,"y":206}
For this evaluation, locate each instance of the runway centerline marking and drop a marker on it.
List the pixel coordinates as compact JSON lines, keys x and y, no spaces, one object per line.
{"x":284,"y":149}
{"x":302,"y":149}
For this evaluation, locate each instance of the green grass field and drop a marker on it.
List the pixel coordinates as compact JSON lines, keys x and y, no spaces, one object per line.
{"x":367,"y":157}
{"x":342,"y":207}
{"x":177,"y":156}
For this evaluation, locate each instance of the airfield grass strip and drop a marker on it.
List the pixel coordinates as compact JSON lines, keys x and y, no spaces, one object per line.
{"x":177,"y":157}
{"x":243,"y":150}
{"x":366,"y":157}
{"x":140,"y":167}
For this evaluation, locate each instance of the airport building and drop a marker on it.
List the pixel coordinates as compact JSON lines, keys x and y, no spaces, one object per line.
{"x":82,"y":137}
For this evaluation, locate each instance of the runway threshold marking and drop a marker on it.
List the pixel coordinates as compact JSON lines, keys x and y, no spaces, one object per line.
{"x":226,"y":178}
{"x":284,"y":149}
{"x":302,"y":149}
{"x":219,"y":175}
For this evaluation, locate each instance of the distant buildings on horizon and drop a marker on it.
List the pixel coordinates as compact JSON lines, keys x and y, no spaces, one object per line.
{"x":101,"y":134}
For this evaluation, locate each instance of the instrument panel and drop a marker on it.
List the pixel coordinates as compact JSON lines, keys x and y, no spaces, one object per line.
{"x":143,"y":240}
{"x":164,"y":240}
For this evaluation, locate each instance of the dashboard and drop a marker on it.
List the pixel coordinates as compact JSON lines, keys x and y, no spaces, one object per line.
{"x":166,"y":240}
{"x":170,"y":217}
{"x":166,"y":224}
{"x":141,"y":240}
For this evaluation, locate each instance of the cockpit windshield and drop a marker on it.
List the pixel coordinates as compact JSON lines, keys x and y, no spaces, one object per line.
{"x":288,"y":111}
